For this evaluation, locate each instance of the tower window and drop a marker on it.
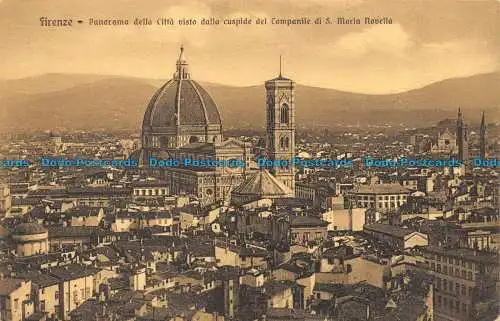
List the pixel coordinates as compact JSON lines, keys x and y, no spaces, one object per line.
{"x":155,"y":142}
{"x":284,"y":116}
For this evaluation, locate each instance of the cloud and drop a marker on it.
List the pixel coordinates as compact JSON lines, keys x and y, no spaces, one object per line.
{"x":390,"y":39}
{"x":429,"y":41}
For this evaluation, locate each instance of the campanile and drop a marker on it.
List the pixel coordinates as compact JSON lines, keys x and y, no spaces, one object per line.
{"x":280,"y":135}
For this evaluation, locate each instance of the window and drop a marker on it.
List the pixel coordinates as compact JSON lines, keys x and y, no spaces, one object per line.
{"x":463,"y":290}
{"x":42,"y":305}
{"x":16,"y":304}
{"x":56,"y":295}
{"x":284,"y":114}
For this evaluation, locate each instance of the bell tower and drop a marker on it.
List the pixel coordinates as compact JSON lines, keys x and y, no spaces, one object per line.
{"x":482,"y":138}
{"x":280,"y":134}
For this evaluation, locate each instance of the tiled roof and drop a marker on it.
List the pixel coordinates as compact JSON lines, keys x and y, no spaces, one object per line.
{"x":181,"y":100}
{"x":29,"y":228}
{"x":262,"y":184}
{"x":387,"y":229}
{"x":381,"y":189}
{"x":8,"y":285}
{"x":307,"y":221}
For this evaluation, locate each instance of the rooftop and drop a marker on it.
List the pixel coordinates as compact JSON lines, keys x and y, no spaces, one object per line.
{"x":381,"y":189}
{"x":307,"y":221}
{"x":465,"y":254}
{"x":391,"y":230}
{"x":7,"y":286}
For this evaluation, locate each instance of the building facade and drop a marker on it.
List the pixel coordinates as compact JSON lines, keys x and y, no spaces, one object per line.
{"x":5,"y":200}
{"x":463,"y":278}
{"x":381,"y":197}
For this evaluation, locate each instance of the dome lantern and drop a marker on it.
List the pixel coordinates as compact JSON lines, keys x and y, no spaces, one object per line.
{"x":182,"y":67}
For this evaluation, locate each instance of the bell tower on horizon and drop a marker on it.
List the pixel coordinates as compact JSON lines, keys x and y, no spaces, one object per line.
{"x":280,"y":125}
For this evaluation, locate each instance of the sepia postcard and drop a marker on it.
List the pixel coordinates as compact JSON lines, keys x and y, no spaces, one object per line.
{"x":237,"y":160}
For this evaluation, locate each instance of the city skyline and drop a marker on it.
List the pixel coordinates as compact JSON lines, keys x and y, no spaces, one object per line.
{"x":426,"y":42}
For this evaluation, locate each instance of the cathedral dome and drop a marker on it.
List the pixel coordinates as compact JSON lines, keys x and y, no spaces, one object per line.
{"x":182,"y":107}
{"x":181,"y":102}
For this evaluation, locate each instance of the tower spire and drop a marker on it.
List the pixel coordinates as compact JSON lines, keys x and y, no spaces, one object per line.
{"x":482,"y":138}
{"x":280,"y":66}
{"x":462,"y":138}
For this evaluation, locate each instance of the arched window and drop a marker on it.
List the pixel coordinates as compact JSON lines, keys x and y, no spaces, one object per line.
{"x":282,"y":142}
{"x":284,"y":117}
{"x":287,"y":142}
{"x":155,"y":142}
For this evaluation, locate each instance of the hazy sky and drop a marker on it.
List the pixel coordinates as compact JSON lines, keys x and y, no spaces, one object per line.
{"x":427,"y":42}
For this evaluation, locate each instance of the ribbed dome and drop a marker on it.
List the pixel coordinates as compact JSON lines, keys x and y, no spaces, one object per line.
{"x":181,"y":102}
{"x":29,"y":229}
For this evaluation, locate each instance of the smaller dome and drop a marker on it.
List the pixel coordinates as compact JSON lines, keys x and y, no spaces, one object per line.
{"x":263,"y":185}
{"x":30,"y":228}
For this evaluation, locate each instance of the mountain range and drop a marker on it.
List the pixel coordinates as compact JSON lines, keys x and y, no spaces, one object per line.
{"x":101,"y":102}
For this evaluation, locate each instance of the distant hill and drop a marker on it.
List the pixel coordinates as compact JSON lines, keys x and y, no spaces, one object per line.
{"x":92,"y":102}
